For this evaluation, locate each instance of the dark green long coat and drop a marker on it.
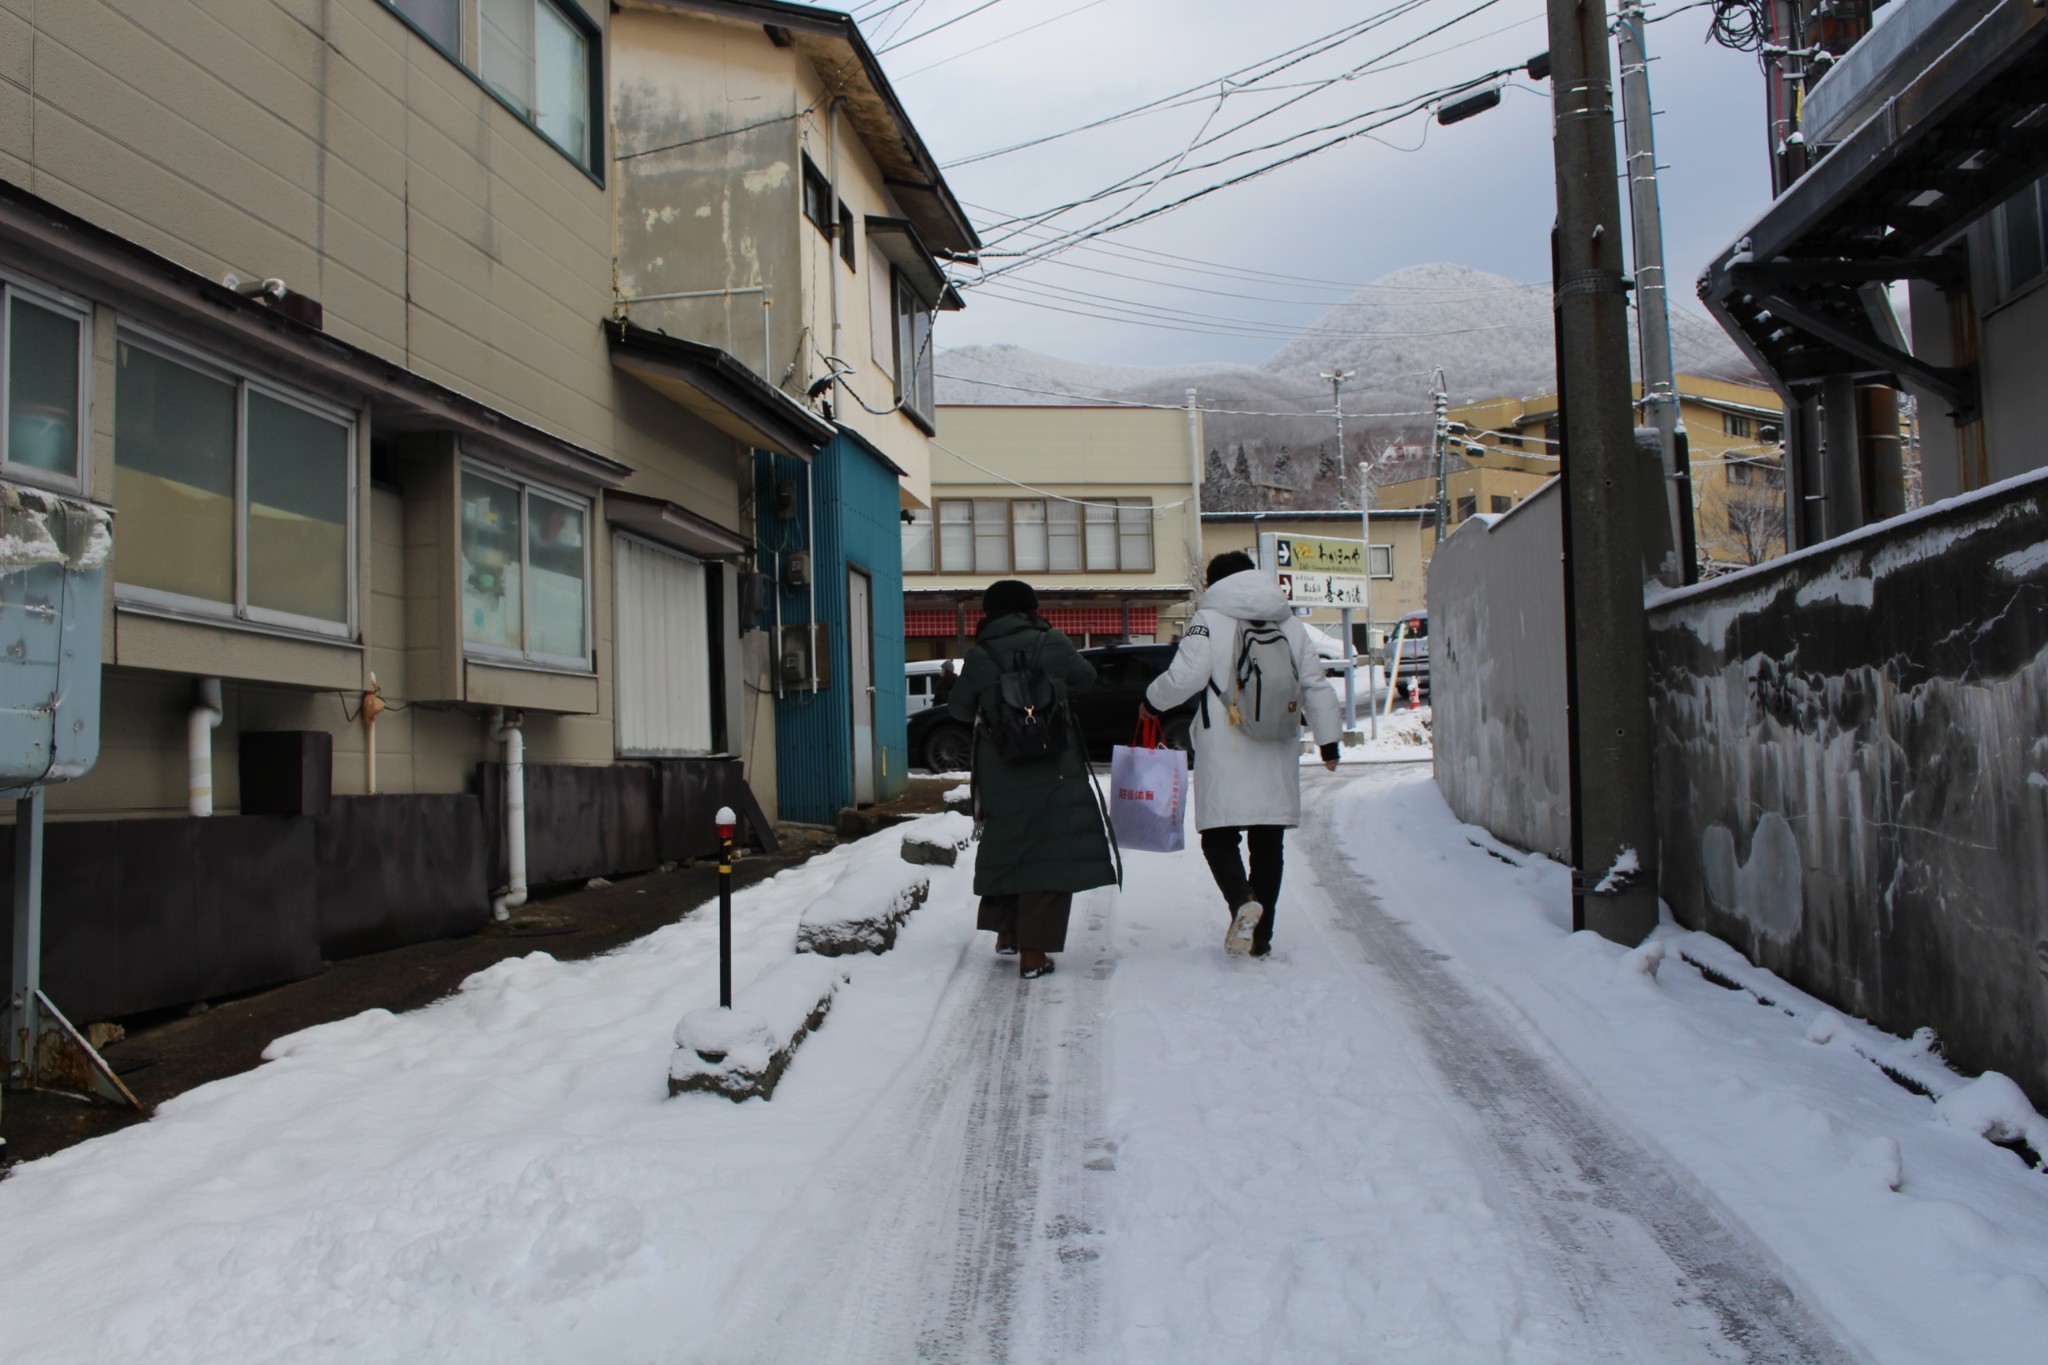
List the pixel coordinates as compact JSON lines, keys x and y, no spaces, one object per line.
{"x":1042,"y":829}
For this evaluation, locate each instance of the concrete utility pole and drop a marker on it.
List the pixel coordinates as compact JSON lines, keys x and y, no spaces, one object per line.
{"x":1440,"y":445}
{"x":1337,"y":401}
{"x":1614,"y":834}
{"x":1653,"y":318}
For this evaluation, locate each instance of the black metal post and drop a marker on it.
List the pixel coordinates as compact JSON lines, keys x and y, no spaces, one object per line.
{"x":727,"y":823}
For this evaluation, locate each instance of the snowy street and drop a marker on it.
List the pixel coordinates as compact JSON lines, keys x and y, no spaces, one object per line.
{"x":1434,"y":1126}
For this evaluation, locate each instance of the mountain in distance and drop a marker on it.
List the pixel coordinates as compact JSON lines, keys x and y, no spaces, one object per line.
{"x":1491,"y":336}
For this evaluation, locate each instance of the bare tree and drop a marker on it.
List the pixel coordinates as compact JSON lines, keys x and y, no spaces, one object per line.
{"x":1744,"y":523}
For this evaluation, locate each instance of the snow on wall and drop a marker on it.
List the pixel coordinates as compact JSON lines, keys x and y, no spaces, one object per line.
{"x":1496,"y":613}
{"x":1852,"y":780}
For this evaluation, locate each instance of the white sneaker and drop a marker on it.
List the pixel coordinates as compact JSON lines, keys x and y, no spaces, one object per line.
{"x":1237,"y":940}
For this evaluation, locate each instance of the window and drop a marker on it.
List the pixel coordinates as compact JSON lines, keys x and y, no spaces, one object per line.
{"x":236,"y":498}
{"x":1063,"y":537}
{"x":1119,"y":537}
{"x":1739,"y":473}
{"x":1733,"y":424}
{"x":538,"y":56}
{"x":43,"y":364}
{"x":914,"y":383}
{"x":1466,"y":507}
{"x":1382,"y":561}
{"x":991,"y":536}
{"x":817,"y":198}
{"x":2023,"y":224}
{"x":525,"y":572}
{"x":956,"y":536}
{"x":917,"y":540}
{"x":1502,"y":503}
{"x":440,"y":20}
{"x":1028,"y":536}
{"x":846,"y":238}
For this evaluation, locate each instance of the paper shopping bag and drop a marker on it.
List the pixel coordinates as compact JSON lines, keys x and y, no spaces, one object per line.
{"x":1148,"y":798}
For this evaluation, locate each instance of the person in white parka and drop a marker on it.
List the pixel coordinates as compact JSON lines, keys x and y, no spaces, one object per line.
{"x":1245,"y":785}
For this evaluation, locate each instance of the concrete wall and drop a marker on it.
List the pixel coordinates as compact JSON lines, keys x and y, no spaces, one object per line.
{"x":1853,"y":776}
{"x":1496,"y":674}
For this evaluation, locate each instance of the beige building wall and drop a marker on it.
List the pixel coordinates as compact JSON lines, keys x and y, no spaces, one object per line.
{"x":1080,"y":453}
{"x":714,"y":122}
{"x":325,"y":143}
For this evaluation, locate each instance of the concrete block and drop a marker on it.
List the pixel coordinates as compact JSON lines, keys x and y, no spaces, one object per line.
{"x":863,"y":911}
{"x":938,"y":842}
{"x":742,"y":1053}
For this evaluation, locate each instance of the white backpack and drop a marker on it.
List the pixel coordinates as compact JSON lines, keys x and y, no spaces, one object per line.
{"x":1265,"y":686}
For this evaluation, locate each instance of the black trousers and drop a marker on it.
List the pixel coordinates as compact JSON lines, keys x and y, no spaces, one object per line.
{"x":1268,"y":842}
{"x":1037,"y":918}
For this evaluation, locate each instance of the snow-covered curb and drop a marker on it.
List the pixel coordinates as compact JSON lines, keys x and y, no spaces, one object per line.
{"x":940,"y":841}
{"x":862,"y":911}
{"x":742,"y":1052}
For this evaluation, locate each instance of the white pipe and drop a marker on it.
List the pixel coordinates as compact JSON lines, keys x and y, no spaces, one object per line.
{"x":199,"y":727}
{"x":505,"y":730}
{"x":832,"y":264}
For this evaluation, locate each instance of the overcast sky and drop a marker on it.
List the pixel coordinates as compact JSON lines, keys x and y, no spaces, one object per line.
{"x":1478,"y":193}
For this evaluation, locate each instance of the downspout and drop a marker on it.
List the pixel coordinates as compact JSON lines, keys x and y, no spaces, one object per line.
{"x":200,"y":724}
{"x":505,"y":730}
{"x":838,"y":225}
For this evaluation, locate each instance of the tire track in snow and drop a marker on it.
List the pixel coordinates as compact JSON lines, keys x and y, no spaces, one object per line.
{"x":1649,"y":1263}
{"x":957,"y":1224}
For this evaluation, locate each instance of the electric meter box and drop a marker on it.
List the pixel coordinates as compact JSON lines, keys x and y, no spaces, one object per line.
{"x":53,"y":556}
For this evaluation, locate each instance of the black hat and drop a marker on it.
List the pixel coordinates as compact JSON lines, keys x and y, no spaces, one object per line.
{"x":1006,"y":596}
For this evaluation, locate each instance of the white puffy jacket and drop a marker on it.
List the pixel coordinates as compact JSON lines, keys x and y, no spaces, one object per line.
{"x":1240,"y":781}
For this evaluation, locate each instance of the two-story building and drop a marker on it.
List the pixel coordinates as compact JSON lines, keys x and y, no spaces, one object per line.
{"x":1096,"y":507}
{"x":781,"y":227}
{"x":323,"y":301}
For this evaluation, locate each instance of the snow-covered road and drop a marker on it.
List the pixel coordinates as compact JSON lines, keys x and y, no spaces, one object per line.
{"x":1435,"y":1127}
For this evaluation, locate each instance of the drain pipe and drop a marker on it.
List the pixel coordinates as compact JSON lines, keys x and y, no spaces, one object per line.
{"x":200,"y":724}
{"x":505,"y":730}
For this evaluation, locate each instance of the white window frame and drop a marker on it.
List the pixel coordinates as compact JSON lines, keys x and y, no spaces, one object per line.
{"x":524,"y":656}
{"x":1376,"y":555}
{"x":180,"y":604}
{"x":80,"y":310}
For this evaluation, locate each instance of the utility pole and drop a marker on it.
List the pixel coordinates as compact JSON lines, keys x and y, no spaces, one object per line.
{"x":1615,"y":829}
{"x":1337,"y":379}
{"x":1653,"y":318}
{"x":1440,"y":445}
{"x":1195,"y":488}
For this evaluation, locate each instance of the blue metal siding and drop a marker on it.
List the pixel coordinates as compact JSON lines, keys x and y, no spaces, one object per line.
{"x":856,"y":501}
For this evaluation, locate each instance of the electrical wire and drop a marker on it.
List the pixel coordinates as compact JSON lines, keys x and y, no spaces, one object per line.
{"x":713,"y":137}
{"x":1323,"y":413}
{"x":948,"y":23}
{"x":1182,"y":314}
{"x":1156,"y":507}
{"x":1017,"y":33}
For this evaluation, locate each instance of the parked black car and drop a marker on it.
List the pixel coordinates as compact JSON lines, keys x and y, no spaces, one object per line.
{"x":1107,"y":712}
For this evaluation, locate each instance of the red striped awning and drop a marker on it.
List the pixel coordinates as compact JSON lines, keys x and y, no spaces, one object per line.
{"x":928,"y":622}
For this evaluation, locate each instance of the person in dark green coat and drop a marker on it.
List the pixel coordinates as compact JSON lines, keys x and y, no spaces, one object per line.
{"x":1042,"y":835}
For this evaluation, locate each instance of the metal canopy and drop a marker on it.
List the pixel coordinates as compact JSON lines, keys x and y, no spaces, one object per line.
{"x":1961,"y":135}
{"x":719,"y":389}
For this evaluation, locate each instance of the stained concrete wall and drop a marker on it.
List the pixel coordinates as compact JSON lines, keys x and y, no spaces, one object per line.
{"x":1496,"y":674}
{"x":1852,"y":772}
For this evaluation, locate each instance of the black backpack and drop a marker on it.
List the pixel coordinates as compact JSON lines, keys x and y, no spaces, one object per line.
{"x":1028,"y":720}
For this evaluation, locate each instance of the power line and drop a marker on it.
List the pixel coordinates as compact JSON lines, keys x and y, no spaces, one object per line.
{"x":947,"y":23}
{"x":1166,"y":407}
{"x":1016,"y":33}
{"x":1113,"y":300}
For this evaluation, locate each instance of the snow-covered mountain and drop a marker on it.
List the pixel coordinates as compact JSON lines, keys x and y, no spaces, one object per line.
{"x":1489,"y":334}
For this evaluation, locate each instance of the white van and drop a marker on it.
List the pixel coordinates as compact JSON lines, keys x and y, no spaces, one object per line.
{"x":921,"y":683}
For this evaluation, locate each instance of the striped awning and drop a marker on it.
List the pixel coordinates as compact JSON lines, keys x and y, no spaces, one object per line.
{"x":1108,"y":619}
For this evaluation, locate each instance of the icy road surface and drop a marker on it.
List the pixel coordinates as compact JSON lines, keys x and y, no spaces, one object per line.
{"x":1435,"y":1127}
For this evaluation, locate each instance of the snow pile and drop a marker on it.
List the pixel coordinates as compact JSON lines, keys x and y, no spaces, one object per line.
{"x":742,"y":1052}
{"x":864,"y":909}
{"x":1992,"y":1107}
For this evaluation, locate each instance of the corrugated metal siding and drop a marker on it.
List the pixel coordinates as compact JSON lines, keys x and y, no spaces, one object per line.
{"x":856,"y":502}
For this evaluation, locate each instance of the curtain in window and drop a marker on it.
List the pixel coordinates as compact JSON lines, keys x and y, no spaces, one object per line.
{"x":991,"y":536}
{"x":956,"y":536}
{"x":492,"y":597}
{"x":1063,"y":537}
{"x":1027,"y":530}
{"x":1134,"y":536}
{"x":1101,"y":537}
